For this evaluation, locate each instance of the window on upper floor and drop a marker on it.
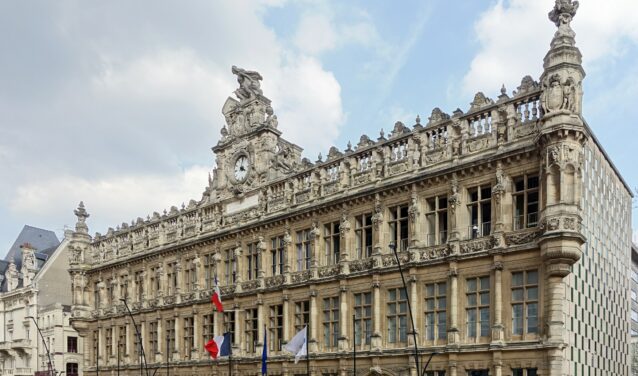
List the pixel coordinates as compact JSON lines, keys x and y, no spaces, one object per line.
{"x":524,"y":372}
{"x":71,"y":344}
{"x":362,"y":318}
{"x":153,"y":339}
{"x":169,"y":329}
{"x":251,"y":330}
{"x":478,"y":306}
{"x":398,"y":225}
{"x":96,"y":294}
{"x":436,"y":216}
{"x":634,"y":275}
{"x":209,"y":270}
{"x":435,"y":311}
{"x":190,"y":275}
{"x":435,"y":373}
{"x":330,"y":321}
{"x":108,"y":338}
{"x":229,"y":324}
{"x":121,"y":339}
{"x":171,"y":275}
{"x":189,"y":336}
{"x":363,"y":235}
{"x":252,"y":256}
{"x":139,"y":285}
{"x":154,"y":280}
{"x":634,"y":296}
{"x":95,"y":340}
{"x":303,"y":249}
{"x":479,"y":208}
{"x":525,"y":201}
{"x":276,"y":327}
{"x":525,"y":302}
{"x":277,"y":255}
{"x":124,"y":286}
{"x":332,"y":242}
{"x":110,"y":290}
{"x":397,"y":315}
{"x":208,"y":331}
{"x":230,"y":266}
{"x":634,"y":315}
{"x":302,"y":314}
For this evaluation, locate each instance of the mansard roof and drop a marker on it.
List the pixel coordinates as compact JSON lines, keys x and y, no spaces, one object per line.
{"x":44,"y":241}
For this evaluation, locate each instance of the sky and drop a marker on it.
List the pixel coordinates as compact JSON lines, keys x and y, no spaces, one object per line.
{"x":118,"y":103}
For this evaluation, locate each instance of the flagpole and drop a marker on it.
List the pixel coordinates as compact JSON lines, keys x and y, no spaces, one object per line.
{"x":354,"y":345}
{"x":407,"y":297}
{"x":308,"y":346}
{"x":230,"y":353}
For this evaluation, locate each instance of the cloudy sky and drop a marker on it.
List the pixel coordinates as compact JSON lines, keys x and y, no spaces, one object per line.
{"x":117,"y":103}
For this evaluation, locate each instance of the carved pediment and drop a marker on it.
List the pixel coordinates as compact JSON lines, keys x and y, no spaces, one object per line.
{"x":527,"y":84}
{"x":399,"y":129}
{"x":364,"y":141}
{"x":480,"y":101}
{"x":437,"y":116}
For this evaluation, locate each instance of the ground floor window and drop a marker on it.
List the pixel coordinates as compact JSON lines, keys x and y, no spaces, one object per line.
{"x":524,"y":372}
{"x":71,"y":369}
{"x":478,"y":372}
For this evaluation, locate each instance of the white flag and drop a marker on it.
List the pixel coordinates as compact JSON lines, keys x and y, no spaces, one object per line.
{"x":298,"y":344}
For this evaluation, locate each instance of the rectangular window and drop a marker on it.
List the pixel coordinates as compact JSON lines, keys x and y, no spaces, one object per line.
{"x":189,"y":336}
{"x":190,"y":275}
{"x":397,"y":315}
{"x":330,"y":322}
{"x":634,"y":297}
{"x":363,"y":235}
{"x":153,"y":339}
{"x":435,"y":373}
{"x":172,"y":277}
{"x":479,"y":208}
{"x":302,"y":314}
{"x":436,"y":217}
{"x":230,"y":266}
{"x":435,"y":311}
{"x":170,"y":336}
{"x":525,"y":197}
{"x":72,"y":344}
{"x":525,"y":302}
{"x":362,"y":318}
{"x":252,"y":256}
{"x":478,"y":307}
{"x":208,"y":322}
{"x":154,"y":280}
{"x":136,"y":346}
{"x":634,"y":315}
{"x":124,"y":286}
{"x":139,"y":285}
{"x":109,"y":342}
{"x":398,"y":225}
{"x":121,"y":340}
{"x":251,"y":330}
{"x":209,"y":270}
{"x":277,"y":255}
{"x":524,"y":372}
{"x":229,"y":324}
{"x":276,"y":327}
{"x":331,"y":238}
{"x":478,"y":372}
{"x":110,"y":291}
{"x":634,"y":276}
{"x":303,"y":250}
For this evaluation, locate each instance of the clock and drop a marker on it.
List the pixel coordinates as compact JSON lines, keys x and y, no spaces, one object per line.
{"x":241,"y":168}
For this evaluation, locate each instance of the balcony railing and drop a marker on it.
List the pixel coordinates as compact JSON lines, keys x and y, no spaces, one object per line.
{"x":479,"y":230}
{"x":22,"y":372}
{"x":366,"y":252}
{"x":433,"y":239}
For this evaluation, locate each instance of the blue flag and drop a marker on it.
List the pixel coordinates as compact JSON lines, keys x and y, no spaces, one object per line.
{"x":225,"y":348}
{"x":264,"y":355}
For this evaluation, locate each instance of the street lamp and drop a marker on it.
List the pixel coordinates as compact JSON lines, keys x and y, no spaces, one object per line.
{"x":44,"y":342}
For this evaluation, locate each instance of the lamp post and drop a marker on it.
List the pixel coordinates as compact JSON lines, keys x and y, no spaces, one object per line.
{"x":51,"y":371}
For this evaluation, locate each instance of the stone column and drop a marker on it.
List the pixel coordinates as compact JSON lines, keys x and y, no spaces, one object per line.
{"x":415,"y":308}
{"x":416,"y":236}
{"x":179,"y":337}
{"x":453,"y":335}
{"x":312,"y":340}
{"x":260,"y":321}
{"x":198,"y":344}
{"x":498,"y":329}
{"x":161,"y":354}
{"x":288,"y":254}
{"x":347,"y":244}
{"x":286,"y":328}
{"x":344,"y":319}
{"x":376,"y":301}
{"x":378,"y":236}
{"x":238,"y":344}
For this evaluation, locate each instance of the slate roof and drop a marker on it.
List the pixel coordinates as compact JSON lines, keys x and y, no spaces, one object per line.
{"x":40,"y":239}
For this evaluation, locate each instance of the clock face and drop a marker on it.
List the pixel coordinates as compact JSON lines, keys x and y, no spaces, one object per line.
{"x":241,"y":168}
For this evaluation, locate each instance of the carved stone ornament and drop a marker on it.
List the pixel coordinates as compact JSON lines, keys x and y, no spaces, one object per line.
{"x":558,"y":95}
{"x":364,"y":141}
{"x":334,"y":153}
{"x":527,"y":85}
{"x":399,"y":129}
{"x":480,"y":100}
{"x":437,"y":116}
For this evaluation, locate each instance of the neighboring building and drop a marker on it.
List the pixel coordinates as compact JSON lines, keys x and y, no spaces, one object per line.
{"x":30,"y":281}
{"x":511,"y":224}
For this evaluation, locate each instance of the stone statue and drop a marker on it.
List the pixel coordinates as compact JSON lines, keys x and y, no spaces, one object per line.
{"x":281,"y":160}
{"x":249,"y":86}
{"x":271,"y":118}
{"x":562,"y":15}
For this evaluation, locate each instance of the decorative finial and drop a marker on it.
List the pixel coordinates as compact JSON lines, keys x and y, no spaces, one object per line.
{"x":562,"y":15}
{"x":319,"y":158}
{"x":82,"y":215}
{"x":349,"y":148}
{"x":503,"y":90}
{"x":418,"y":120}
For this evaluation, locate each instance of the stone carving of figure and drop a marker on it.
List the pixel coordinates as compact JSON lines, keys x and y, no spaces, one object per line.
{"x":249,"y":86}
{"x":569,"y":94}
{"x":271,"y":118}
{"x":281,"y":160}
{"x":559,"y":96}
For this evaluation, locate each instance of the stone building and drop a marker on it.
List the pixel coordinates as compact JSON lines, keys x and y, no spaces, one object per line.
{"x":510,"y":222}
{"x":34,"y":286}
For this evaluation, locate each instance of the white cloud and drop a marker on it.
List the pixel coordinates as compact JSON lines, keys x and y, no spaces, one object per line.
{"x":513,"y":35}
{"x":315,"y":34}
{"x":110,"y":201}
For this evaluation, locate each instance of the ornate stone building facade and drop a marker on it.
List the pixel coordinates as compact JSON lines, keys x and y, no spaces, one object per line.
{"x":502,"y":217}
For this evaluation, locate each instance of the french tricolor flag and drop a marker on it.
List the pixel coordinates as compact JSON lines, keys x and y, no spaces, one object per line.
{"x":216,"y":299}
{"x":219,"y":346}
